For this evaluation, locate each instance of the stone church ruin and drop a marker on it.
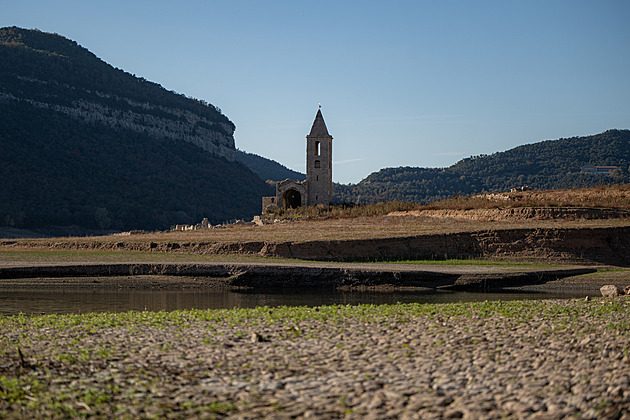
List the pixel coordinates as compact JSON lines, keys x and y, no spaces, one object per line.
{"x":317,"y":188}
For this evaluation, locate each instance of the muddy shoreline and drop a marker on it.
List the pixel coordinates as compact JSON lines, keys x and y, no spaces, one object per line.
{"x":277,"y":276}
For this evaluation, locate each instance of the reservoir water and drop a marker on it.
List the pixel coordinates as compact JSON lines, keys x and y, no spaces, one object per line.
{"x":84,"y":300}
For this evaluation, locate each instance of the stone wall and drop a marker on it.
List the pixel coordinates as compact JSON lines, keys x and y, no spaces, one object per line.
{"x":269,"y":203}
{"x":283,"y":186}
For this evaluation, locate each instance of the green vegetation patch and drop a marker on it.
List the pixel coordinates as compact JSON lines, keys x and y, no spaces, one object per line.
{"x":525,"y":309}
{"x":475,"y":262}
{"x":69,"y":256}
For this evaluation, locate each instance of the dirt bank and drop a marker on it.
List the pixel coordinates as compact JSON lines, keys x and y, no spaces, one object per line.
{"x":266,"y":276}
{"x":607,"y":245}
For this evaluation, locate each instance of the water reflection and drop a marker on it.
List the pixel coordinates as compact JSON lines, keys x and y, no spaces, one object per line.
{"x":120,"y":300}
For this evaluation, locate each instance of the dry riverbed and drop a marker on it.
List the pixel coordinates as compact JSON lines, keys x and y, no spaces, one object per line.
{"x":530,"y":359}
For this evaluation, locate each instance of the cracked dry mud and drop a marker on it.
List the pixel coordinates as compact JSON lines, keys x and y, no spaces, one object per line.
{"x":539,"y":359}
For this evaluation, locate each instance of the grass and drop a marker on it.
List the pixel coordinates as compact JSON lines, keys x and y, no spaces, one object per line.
{"x":614,"y":196}
{"x":293,"y":315}
{"x":43,"y":257}
{"x":490,"y":263}
{"x":613,"y":276}
{"x":46,"y":256}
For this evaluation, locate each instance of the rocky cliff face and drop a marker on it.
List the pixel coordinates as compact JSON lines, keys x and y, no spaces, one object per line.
{"x":51,"y":72}
{"x":170,"y":123}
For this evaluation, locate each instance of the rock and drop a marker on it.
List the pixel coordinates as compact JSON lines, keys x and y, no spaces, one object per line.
{"x":615,"y":391}
{"x":376,"y":402}
{"x":516,"y":407}
{"x":609,"y":290}
{"x":626,"y":290}
{"x":257,"y":338}
{"x":454,"y":413}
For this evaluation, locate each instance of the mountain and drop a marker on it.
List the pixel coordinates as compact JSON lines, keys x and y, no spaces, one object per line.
{"x":544,"y":165}
{"x":90,"y":145}
{"x":268,"y":169}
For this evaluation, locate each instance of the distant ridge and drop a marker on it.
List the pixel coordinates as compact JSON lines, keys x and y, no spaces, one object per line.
{"x":544,"y":165}
{"x":268,"y":169}
{"x":85,"y":144}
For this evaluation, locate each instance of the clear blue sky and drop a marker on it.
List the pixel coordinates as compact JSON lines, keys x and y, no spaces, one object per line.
{"x":401,"y":83}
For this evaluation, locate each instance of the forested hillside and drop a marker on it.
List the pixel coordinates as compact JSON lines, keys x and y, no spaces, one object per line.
{"x":545,"y":165}
{"x":268,"y":169}
{"x":85,"y":144}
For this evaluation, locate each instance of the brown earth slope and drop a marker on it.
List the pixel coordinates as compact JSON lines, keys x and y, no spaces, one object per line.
{"x":586,"y":226}
{"x":598,"y":244}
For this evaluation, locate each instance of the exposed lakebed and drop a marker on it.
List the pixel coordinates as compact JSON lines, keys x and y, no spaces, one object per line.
{"x":550,"y":359}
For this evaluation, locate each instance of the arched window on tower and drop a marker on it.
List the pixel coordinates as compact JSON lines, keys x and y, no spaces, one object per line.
{"x":317,"y":164}
{"x":317,"y":148}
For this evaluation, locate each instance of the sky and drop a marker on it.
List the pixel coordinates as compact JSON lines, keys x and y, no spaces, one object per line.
{"x":400,"y":83}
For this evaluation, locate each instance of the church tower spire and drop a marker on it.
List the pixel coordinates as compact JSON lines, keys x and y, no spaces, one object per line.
{"x":319,"y":162}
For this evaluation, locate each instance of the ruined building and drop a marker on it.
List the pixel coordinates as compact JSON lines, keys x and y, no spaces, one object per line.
{"x":317,"y":188}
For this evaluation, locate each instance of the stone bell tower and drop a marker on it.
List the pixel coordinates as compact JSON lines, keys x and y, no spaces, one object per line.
{"x":317,"y":188}
{"x":319,"y":163}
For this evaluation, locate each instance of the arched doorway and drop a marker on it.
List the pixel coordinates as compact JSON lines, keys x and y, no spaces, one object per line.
{"x":292,"y":199}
